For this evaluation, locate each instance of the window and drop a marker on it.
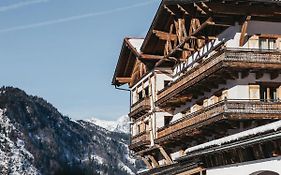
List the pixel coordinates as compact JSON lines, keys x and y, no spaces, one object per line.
{"x":146,"y":125}
{"x":268,"y":92}
{"x":146,"y":91}
{"x":167,"y":120}
{"x":140,"y":95}
{"x":166,"y":83}
{"x":138,"y":129}
{"x":267,"y":43}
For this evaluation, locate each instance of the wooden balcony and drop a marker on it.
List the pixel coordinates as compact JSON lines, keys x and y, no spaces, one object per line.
{"x":223,"y":65}
{"x":140,"y":108}
{"x":224,"y":110}
{"x":140,"y":141}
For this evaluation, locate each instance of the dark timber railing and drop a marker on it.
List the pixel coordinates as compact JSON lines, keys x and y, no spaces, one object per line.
{"x":140,"y":107}
{"x":141,"y":139}
{"x":234,"y":58}
{"x":231,"y":109}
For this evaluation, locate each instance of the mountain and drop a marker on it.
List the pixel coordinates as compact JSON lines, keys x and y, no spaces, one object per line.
{"x":120,"y":126}
{"x":36,"y":139}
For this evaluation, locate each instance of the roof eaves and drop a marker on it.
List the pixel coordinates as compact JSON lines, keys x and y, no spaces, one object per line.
{"x":114,"y":82}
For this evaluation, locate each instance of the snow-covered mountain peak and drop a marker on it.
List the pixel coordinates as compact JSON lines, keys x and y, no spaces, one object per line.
{"x":36,"y":139}
{"x":121,"y":125}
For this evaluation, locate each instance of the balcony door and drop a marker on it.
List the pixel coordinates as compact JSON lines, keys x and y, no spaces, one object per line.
{"x":268,"y":92}
{"x":167,"y":120}
{"x":267,"y":43}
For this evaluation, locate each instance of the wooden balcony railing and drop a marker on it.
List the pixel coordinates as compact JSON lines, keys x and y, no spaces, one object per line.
{"x":142,"y":139}
{"x":233,"y":59}
{"x":228,"y":109}
{"x":139,"y":108}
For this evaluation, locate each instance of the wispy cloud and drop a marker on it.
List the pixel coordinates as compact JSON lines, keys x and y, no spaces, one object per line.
{"x":77,"y":17}
{"x":20,"y":4}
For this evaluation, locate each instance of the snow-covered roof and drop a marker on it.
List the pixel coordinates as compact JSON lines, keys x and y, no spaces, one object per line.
{"x":136,"y":43}
{"x":251,"y":132}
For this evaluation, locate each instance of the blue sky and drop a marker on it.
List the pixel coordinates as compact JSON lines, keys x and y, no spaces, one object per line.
{"x":66,"y":50}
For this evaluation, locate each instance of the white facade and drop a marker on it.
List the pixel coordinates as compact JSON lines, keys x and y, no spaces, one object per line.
{"x":234,"y":89}
{"x":154,"y":82}
{"x":239,"y":89}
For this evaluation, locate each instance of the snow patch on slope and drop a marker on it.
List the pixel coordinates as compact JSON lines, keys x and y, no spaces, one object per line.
{"x":99,"y":159}
{"x":121,"y":125}
{"x":14,"y":158}
{"x":127,"y":154}
{"x":121,"y":165}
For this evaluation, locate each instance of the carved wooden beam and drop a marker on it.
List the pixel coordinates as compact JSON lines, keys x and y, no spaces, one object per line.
{"x":274,"y":75}
{"x":149,"y":166}
{"x":187,"y":11}
{"x":150,"y":57}
{"x":220,"y":25}
{"x":172,"y":52}
{"x":180,"y":29}
{"x":168,"y":45}
{"x":182,"y":9}
{"x":164,"y":35}
{"x":198,"y":170}
{"x":205,"y":37}
{"x":165,"y":155}
{"x":195,"y":28}
{"x":200,"y":9}
{"x":194,"y":24}
{"x":153,"y":160}
{"x":209,"y":21}
{"x":206,"y":7}
{"x":244,"y":30}
{"x":124,"y":79}
{"x":185,"y":49}
{"x":169,"y":10}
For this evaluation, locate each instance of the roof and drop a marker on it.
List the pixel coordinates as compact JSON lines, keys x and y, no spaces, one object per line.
{"x":252,"y":132}
{"x":259,"y":134}
{"x":130,"y":51}
{"x":222,"y":12}
{"x":197,"y":21}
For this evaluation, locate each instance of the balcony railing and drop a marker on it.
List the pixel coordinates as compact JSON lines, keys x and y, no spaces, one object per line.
{"x":229,"y":109}
{"x":139,"y":108}
{"x":236,"y":58}
{"x":139,"y":140}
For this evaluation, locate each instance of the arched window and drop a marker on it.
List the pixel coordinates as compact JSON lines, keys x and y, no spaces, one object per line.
{"x":264,"y":173}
